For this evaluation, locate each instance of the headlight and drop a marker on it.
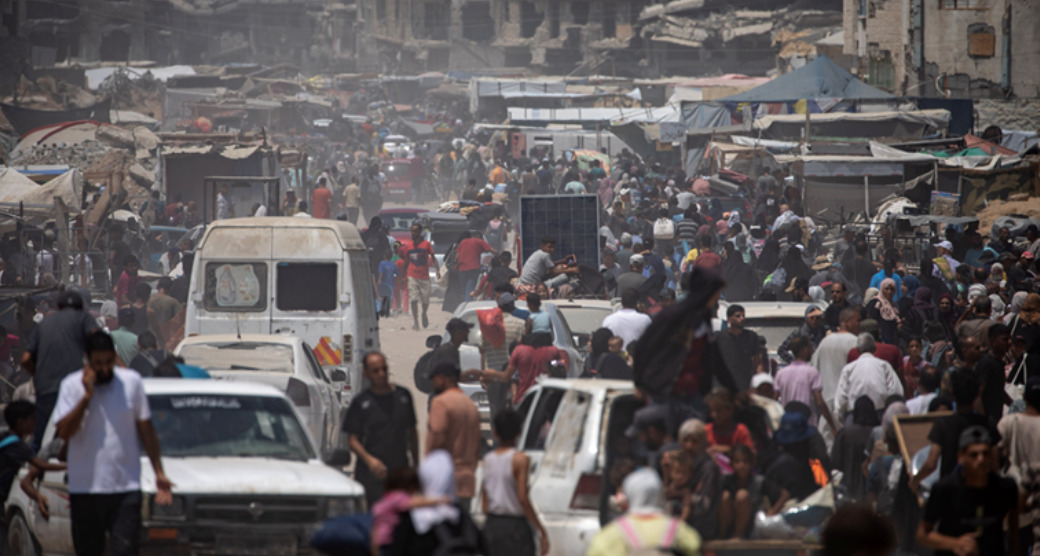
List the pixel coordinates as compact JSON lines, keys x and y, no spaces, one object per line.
{"x":174,"y":510}
{"x":344,"y":506}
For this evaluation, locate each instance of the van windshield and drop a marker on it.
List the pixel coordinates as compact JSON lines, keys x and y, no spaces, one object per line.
{"x":239,"y":356}
{"x":228,"y":425}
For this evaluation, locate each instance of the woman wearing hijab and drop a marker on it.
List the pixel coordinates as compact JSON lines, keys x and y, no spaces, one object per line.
{"x":920,"y":312}
{"x":949,"y":314}
{"x":794,"y":265}
{"x":740,"y":280}
{"x":769,"y":259}
{"x":644,"y":524}
{"x":1017,"y":301}
{"x":910,"y":285}
{"x":886,"y":313}
{"x":422,"y":530}
{"x":605,"y":191}
{"x":603,"y":363}
{"x":852,"y":444}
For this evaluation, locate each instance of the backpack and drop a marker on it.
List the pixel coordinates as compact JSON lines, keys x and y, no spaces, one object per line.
{"x":664,"y":228}
{"x":635,"y":545}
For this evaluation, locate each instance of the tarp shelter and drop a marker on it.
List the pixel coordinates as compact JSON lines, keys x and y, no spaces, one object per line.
{"x":25,"y":120}
{"x":819,"y":79}
{"x":906,"y":124}
{"x":37,"y":201}
{"x":185,"y":168}
{"x":594,"y":116}
{"x":855,"y":184}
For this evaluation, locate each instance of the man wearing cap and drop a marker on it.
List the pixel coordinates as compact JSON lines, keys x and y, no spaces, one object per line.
{"x":54,"y":351}
{"x":741,"y":348}
{"x":945,"y":264}
{"x":813,"y":329}
{"x":824,"y":272}
{"x":966,"y":510}
{"x":632,"y":279}
{"x":454,"y":426}
{"x":652,"y":428}
{"x":798,"y":289}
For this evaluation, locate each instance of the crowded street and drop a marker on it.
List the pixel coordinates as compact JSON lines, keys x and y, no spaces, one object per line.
{"x":519,"y":278}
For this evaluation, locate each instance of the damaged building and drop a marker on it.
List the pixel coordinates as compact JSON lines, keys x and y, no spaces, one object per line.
{"x":554,"y":36}
{"x":176,"y":31}
{"x":979,"y":49}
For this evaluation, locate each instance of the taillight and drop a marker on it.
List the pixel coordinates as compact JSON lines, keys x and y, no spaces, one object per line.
{"x":347,"y":353}
{"x":297,"y":393}
{"x":566,"y":358}
{"x":586,"y":494}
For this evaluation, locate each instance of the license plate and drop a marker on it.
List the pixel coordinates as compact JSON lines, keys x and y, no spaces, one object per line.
{"x":260,"y":545}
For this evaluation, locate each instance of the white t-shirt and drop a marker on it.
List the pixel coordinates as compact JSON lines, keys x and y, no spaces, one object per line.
{"x":104,"y":456}
{"x":627,"y":324}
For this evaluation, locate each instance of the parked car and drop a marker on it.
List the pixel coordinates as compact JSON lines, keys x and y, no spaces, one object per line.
{"x":772,"y":320}
{"x":247,"y":478}
{"x":573,"y":433}
{"x":284,"y":362}
{"x":400,"y":221}
{"x":585,"y":316}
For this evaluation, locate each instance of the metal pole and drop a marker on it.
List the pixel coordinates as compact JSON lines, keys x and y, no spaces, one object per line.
{"x":866,"y":196}
{"x":61,"y":221}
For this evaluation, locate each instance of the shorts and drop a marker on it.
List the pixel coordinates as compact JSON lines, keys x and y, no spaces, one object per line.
{"x":510,"y":535}
{"x":419,"y":290}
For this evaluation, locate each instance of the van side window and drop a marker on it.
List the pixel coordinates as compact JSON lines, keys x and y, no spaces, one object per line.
{"x":541,"y":421}
{"x":306,"y":286}
{"x":235,"y":287}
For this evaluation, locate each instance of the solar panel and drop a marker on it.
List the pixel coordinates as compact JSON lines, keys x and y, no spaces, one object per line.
{"x":572,"y":220}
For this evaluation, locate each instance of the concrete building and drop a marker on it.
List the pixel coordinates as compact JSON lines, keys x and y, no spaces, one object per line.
{"x":980,"y":49}
{"x":554,"y":36}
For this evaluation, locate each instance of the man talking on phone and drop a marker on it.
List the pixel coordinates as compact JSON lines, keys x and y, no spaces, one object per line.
{"x":101,"y":413}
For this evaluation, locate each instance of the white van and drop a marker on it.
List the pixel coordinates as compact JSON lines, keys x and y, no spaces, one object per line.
{"x":298,"y":276}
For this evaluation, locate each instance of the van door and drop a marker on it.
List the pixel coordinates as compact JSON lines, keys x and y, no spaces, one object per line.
{"x":536,"y":429}
{"x":617,"y":449}
{"x":55,"y":534}
{"x":329,"y":400}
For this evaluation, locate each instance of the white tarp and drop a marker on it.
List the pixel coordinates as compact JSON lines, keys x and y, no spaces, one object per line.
{"x":38,"y":199}
{"x":613,"y":116}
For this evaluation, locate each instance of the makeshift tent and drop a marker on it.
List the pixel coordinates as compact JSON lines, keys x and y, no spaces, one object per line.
{"x":20,"y":196}
{"x":907,"y":124}
{"x":818,"y":79}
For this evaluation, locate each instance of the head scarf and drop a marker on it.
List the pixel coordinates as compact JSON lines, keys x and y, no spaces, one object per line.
{"x":1017,"y":301}
{"x":864,"y":413}
{"x":644,"y":492}
{"x":997,"y":304}
{"x":887,"y":308}
{"x":912,"y":283}
{"x":817,"y":294}
{"x":599,"y":342}
{"x":1031,"y":309}
{"x":722,"y":226}
{"x":993,"y":270}
{"x":923,"y":298}
{"x":976,"y":290}
{"x":605,"y":192}
{"x":869,"y":295}
{"x":437,"y":475}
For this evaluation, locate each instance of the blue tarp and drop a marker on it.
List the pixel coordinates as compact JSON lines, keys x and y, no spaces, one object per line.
{"x":818,"y":79}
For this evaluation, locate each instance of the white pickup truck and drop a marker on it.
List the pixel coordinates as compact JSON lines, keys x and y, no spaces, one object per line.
{"x":247,"y":478}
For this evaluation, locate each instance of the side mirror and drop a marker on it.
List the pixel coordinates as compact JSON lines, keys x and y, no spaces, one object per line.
{"x":338,"y":458}
{"x":433,"y":342}
{"x":338,"y":375}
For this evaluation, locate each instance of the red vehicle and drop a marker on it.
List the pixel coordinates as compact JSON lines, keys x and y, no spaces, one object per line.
{"x":398,"y":174}
{"x":400,"y":221}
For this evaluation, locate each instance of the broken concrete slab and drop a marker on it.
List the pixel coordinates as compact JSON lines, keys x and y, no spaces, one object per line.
{"x":115,"y":136}
{"x":142,"y":175}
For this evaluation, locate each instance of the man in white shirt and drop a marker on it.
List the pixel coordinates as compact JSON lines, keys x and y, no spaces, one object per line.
{"x":866,"y":376}
{"x":928,"y":383}
{"x":832,"y":354}
{"x":102,"y":414}
{"x":627,"y":324}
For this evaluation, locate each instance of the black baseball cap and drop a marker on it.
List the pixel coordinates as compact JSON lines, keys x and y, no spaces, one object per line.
{"x":457,"y":324}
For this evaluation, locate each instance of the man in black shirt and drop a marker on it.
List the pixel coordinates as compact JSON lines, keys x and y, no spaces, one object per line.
{"x":966,"y":510}
{"x":831,"y":317}
{"x":740,"y":348}
{"x":990,"y":370}
{"x":860,"y":270}
{"x":381,"y":424}
{"x":946,"y":432}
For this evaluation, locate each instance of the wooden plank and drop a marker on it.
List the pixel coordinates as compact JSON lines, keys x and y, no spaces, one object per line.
{"x":912,"y":433}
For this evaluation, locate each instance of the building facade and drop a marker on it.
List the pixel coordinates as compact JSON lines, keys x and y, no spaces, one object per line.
{"x":980,"y":49}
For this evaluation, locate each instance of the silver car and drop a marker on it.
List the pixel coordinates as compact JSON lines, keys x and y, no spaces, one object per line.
{"x":285,"y":362}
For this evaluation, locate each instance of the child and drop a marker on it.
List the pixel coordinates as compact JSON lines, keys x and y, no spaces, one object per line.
{"x":723,"y":432}
{"x":505,"y":499}
{"x":538,"y":324}
{"x":20,"y":416}
{"x":399,"y":496}
{"x":677,"y":489}
{"x":912,"y":365}
{"x":744,"y":493}
{"x":387,"y":274}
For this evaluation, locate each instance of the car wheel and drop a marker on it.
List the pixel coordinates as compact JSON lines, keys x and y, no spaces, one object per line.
{"x":20,"y":541}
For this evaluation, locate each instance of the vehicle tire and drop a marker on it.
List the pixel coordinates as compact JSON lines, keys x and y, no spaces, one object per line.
{"x":20,"y":541}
